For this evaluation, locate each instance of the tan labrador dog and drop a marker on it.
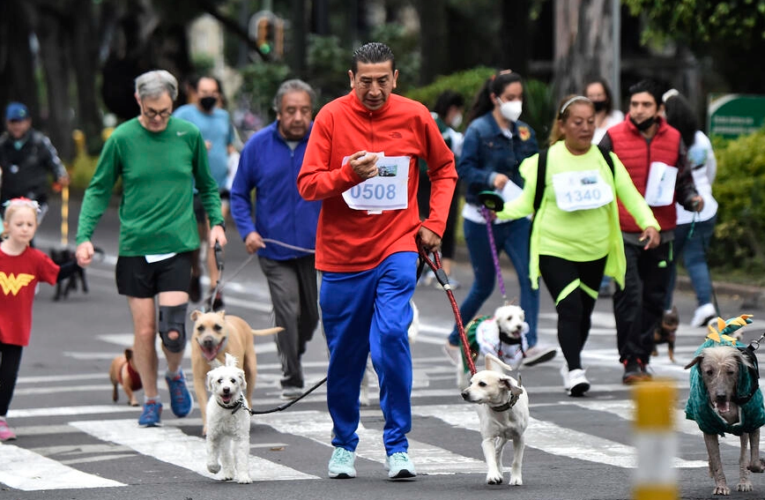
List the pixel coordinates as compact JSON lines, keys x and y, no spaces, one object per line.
{"x":215,"y":334}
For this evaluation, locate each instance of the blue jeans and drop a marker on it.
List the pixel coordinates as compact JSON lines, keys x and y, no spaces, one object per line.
{"x":513,"y":238}
{"x":693,"y":250}
{"x":368,"y":313}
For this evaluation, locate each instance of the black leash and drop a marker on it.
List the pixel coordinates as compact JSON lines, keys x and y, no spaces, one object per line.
{"x":287,"y":405}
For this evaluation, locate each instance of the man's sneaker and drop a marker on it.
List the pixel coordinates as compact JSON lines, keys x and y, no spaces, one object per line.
{"x":195,"y":289}
{"x":180,"y":398}
{"x":634,"y":371}
{"x":6,"y":433}
{"x":577,"y":383}
{"x":454,"y":353}
{"x":291,"y":393}
{"x":538,"y":354}
{"x":704,"y":315}
{"x":151,"y":414}
{"x":341,"y":464}
{"x":399,"y":466}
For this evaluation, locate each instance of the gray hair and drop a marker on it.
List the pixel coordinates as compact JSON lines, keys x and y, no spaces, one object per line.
{"x":293,"y":86}
{"x":153,"y":84}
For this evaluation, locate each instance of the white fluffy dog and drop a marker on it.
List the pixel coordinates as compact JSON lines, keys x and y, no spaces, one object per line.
{"x":503,"y":410}
{"x":502,"y":335}
{"x":228,"y":423}
{"x":369,"y":373}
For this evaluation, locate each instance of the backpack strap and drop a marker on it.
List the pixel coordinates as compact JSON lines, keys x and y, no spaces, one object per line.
{"x":541,"y":177}
{"x":607,"y":156}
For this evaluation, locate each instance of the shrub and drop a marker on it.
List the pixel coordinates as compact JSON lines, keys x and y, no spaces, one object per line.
{"x":467,"y":83}
{"x":740,"y":191}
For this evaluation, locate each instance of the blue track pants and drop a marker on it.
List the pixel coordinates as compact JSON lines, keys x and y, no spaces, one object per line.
{"x":362,"y":313}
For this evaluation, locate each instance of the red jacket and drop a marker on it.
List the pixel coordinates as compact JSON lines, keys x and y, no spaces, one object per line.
{"x":636,"y":153}
{"x":350,"y":240}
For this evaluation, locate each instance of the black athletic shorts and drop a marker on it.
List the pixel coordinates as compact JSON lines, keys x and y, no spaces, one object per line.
{"x":137,"y":278}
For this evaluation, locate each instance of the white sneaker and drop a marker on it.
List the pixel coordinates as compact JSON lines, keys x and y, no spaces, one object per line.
{"x":578,"y":383}
{"x":539,"y":354}
{"x":564,"y":374}
{"x":703,"y":315}
{"x":454,"y":353}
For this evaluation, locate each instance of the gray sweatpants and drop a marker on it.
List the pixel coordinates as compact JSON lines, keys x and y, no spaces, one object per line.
{"x":292,"y":284}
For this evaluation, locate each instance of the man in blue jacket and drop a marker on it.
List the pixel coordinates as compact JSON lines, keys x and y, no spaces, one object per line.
{"x":270,"y":163}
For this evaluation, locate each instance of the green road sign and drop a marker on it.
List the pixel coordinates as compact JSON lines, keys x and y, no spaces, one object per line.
{"x":732,"y":115}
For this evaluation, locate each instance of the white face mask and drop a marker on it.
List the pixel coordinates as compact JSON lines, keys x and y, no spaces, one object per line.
{"x":510,"y":110}
{"x":456,"y":121}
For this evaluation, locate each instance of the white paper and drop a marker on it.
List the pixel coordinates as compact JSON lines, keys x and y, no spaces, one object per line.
{"x":511,"y":191}
{"x":389,"y":190}
{"x":581,"y":190}
{"x":151,"y":259}
{"x":660,"y":188}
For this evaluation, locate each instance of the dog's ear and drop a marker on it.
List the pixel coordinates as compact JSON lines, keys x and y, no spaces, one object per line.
{"x":492,"y":359}
{"x":696,"y":360}
{"x":231,"y":360}
{"x":195,"y":315}
{"x":210,"y":377}
{"x":242,"y":381}
{"x":222,"y":313}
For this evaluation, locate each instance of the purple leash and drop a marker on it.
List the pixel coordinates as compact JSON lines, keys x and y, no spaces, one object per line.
{"x":487,"y":216}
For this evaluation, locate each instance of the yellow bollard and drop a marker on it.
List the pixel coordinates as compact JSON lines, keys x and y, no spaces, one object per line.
{"x":655,"y":441}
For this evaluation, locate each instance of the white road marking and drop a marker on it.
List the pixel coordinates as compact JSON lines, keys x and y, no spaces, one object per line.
{"x":553,"y":439}
{"x":317,"y":426}
{"x":170,"y":445}
{"x":59,"y":411}
{"x":26,"y":470}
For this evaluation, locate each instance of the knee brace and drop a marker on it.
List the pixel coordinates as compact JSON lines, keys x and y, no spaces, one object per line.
{"x":173,"y":319}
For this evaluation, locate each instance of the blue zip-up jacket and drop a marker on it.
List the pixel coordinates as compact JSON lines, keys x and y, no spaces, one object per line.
{"x":487,"y":151}
{"x":268,"y":165}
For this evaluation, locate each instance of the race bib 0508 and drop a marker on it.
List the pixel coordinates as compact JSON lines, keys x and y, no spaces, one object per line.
{"x":388,"y":191}
{"x":583,"y":190}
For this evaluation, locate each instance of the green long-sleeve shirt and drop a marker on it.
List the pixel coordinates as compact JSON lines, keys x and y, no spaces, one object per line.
{"x":583,"y":235}
{"x":158,"y":171}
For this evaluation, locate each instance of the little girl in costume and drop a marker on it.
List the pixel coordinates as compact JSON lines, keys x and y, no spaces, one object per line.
{"x":21,"y":268}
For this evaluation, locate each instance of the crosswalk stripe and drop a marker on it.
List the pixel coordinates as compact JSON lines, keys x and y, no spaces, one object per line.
{"x":26,"y":470}
{"x":553,"y":439}
{"x":171,"y":445}
{"x":317,"y":426}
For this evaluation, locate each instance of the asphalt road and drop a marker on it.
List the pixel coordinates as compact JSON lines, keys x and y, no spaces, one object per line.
{"x":74,"y":443}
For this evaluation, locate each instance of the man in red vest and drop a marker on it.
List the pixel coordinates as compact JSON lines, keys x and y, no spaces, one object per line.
{"x":656,"y":159}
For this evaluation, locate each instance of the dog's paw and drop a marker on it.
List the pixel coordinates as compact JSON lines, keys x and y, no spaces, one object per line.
{"x":243,"y":479}
{"x":494,"y":478}
{"x":757,"y":468}
{"x":744,"y":486}
{"x":721,"y":490}
{"x":213,"y":468}
{"x":516,"y":481}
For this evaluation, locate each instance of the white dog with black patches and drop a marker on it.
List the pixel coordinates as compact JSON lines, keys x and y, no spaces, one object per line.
{"x":503,"y":411}
{"x":228,"y":423}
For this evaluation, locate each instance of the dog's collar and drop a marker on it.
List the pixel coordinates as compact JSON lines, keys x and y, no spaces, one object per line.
{"x":235,"y":407}
{"x":505,"y":407}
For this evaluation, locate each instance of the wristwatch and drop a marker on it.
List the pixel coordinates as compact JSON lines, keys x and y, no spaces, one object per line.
{"x":222,"y":224}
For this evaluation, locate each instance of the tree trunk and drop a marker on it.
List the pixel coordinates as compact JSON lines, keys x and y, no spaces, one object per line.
{"x":85,"y":65}
{"x":320,"y":17}
{"x":17,"y":77}
{"x":298,"y":39}
{"x":433,"y":39}
{"x":514,"y":36}
{"x":583,"y":44}
{"x":53,"y":52}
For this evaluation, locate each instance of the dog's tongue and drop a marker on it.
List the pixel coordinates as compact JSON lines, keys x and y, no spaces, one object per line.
{"x":226,"y":398}
{"x":723,"y":407}
{"x":209,"y":354}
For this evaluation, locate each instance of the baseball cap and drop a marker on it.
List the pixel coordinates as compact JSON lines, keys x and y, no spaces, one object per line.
{"x":16,"y":111}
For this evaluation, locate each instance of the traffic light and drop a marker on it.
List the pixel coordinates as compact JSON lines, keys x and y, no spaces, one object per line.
{"x":270,"y":36}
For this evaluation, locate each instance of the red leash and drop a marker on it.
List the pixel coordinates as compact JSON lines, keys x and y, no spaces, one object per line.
{"x":443,"y":279}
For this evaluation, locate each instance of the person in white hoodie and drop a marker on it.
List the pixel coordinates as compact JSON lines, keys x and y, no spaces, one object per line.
{"x":694,"y":229}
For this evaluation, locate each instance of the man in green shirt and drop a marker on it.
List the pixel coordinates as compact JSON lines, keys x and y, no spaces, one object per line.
{"x":159,"y":158}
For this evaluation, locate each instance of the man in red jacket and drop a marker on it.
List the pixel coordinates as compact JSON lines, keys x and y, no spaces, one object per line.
{"x":656,"y":159}
{"x":361,"y":161}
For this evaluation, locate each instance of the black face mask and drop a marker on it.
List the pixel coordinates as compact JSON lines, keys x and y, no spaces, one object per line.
{"x":645,"y":124}
{"x":599,"y":105}
{"x":208,"y":103}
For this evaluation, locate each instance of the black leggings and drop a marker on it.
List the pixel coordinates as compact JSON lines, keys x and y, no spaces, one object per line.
{"x":574,"y":310}
{"x":10,"y":360}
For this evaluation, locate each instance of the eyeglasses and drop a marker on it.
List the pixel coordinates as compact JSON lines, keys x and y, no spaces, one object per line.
{"x":152,"y":113}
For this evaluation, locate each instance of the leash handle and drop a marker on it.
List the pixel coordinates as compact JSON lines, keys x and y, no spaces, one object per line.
{"x":495,"y":257}
{"x":443,"y":279}
{"x":218,"y":255}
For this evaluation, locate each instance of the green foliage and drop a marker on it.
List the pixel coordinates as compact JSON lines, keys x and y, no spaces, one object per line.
{"x":539,"y":109}
{"x":328,"y":64}
{"x":703,"y":21}
{"x":203,"y":64}
{"x":260,"y":81}
{"x":467,"y":83}
{"x":740,"y":191}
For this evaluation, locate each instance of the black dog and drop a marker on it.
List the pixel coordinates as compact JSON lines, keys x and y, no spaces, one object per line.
{"x":62,"y":256}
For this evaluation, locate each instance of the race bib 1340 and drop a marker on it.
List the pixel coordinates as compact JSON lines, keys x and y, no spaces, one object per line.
{"x":583,"y":190}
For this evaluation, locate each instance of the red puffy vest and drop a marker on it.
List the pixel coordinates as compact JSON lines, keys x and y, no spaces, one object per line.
{"x":637,"y":154}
